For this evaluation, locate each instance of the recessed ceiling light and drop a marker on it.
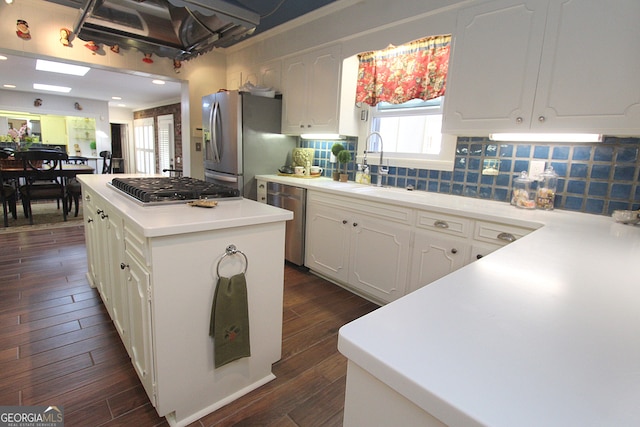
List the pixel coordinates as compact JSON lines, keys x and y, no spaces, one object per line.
{"x":9,"y":86}
{"x":122,"y":105}
{"x":52,"y":88}
{"x":62,"y":68}
{"x":158,"y":82}
{"x":116,"y":98}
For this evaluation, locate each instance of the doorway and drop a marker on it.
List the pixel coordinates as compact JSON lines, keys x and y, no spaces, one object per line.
{"x":119,"y":144}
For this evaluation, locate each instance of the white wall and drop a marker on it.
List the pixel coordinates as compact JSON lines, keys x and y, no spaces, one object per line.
{"x":62,"y":106}
{"x":359,"y":25}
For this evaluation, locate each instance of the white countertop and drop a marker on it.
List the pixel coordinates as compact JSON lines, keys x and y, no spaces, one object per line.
{"x":162,"y":220}
{"x":543,"y":332}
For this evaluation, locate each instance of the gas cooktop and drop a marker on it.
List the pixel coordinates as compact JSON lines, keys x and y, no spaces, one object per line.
{"x":154,"y":190}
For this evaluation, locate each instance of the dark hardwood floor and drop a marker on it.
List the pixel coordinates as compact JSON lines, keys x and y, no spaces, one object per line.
{"x":59,"y":347}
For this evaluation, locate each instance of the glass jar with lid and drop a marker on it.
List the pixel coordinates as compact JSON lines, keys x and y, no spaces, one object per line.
{"x":523,"y":195}
{"x":546,"y":192}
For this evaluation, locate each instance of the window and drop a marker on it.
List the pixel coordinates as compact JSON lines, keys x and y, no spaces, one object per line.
{"x":165,"y":142}
{"x":411,"y":135}
{"x":144,"y":142}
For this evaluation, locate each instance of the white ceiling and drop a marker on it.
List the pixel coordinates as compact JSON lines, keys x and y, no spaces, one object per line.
{"x":136,"y":90}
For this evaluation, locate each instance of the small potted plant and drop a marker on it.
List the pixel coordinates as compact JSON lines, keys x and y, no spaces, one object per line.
{"x":344,"y":157}
{"x":335,"y":150}
{"x":92,"y":146}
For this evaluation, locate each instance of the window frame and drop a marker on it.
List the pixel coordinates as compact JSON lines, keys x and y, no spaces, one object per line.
{"x":441,"y":161}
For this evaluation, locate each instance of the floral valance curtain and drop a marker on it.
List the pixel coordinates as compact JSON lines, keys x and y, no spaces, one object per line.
{"x":417,"y":70}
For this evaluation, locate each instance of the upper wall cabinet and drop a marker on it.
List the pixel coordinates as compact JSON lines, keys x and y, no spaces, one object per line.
{"x":545,"y":66}
{"x":319,"y":93}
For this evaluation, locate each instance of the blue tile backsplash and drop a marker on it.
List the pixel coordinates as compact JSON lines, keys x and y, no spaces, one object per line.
{"x":594,"y":178}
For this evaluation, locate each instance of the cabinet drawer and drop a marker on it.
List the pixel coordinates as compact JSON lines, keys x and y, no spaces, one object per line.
{"x":444,"y":223}
{"x":382,"y":211}
{"x":500,"y":234}
{"x":136,"y":245}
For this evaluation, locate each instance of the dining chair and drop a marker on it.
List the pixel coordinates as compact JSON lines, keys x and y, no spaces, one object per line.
{"x":43,"y":178}
{"x":74,"y":190}
{"x":8,"y":195}
{"x":106,"y":161}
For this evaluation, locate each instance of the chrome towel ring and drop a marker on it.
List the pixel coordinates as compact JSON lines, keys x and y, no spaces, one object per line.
{"x":232,"y":250}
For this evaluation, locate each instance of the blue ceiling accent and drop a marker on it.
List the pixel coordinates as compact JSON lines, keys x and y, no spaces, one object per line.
{"x":288,"y":10}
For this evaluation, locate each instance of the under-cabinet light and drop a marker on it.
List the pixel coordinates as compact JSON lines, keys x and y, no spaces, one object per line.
{"x":546,"y":137}
{"x":321,"y":136}
{"x":61,"y":67}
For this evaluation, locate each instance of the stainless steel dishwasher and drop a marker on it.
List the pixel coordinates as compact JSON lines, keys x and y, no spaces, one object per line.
{"x":293,"y":199}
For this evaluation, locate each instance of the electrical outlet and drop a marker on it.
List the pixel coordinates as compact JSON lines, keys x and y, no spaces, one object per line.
{"x":536,"y":167}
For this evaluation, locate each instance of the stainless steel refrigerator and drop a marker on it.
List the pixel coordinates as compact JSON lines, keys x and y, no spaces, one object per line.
{"x":242,"y":139}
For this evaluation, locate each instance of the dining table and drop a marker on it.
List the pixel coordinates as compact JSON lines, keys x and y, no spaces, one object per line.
{"x":68,"y":170}
{"x":15,"y":174}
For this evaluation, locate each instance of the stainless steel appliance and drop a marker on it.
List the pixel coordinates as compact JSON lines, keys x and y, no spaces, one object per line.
{"x":293,"y":199}
{"x":178,"y":29}
{"x":242,"y":139}
{"x":150,"y":191}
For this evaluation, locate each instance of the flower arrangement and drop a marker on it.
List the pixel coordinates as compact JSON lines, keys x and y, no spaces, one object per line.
{"x":19,"y":135}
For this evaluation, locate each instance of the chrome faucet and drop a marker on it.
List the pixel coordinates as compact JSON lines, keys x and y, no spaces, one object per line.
{"x":382,"y":171}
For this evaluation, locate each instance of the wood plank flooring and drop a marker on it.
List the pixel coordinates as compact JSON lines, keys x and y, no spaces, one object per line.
{"x":58,"y":345}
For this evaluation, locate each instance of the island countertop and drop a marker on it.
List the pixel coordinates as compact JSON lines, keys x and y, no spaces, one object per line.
{"x":543,"y":332}
{"x":181,"y":218}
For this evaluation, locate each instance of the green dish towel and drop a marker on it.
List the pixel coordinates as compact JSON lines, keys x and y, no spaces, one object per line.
{"x":230,"y":320}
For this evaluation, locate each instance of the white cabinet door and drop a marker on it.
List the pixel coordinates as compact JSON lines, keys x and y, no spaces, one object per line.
{"x":434,"y":256}
{"x":262,"y":191}
{"x":118,"y":284}
{"x":379,"y":257}
{"x":589,"y":75}
{"x":367,"y":253}
{"x":311,"y":89}
{"x":523,"y":65}
{"x":101,"y":262}
{"x":494,"y":67}
{"x":139,"y":300}
{"x":90,"y":235}
{"x":480,"y":250}
{"x":323,"y":90}
{"x":328,"y":236}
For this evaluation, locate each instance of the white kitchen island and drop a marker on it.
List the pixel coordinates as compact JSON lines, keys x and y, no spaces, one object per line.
{"x":155,"y":268}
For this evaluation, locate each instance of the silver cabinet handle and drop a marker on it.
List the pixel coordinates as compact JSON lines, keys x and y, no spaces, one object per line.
{"x":541,"y":119}
{"x":454,"y":251}
{"x":519,"y":120}
{"x":441,"y":224}
{"x":123,"y":266}
{"x":507,"y":237}
{"x":355,"y":224}
{"x":344,"y":221}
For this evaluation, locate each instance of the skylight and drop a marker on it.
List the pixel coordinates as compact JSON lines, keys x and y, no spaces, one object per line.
{"x":62,"y":68}
{"x":52,"y":88}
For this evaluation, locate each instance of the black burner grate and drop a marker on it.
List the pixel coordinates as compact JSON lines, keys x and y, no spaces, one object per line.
{"x":159,"y":189}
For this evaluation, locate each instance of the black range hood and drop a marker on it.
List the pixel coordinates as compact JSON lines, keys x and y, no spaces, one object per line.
{"x":178,"y":29}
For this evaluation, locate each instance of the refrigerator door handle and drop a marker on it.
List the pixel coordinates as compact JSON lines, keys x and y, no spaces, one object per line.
{"x":215,"y":115}
{"x":210,"y":175}
{"x":210,"y":152}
